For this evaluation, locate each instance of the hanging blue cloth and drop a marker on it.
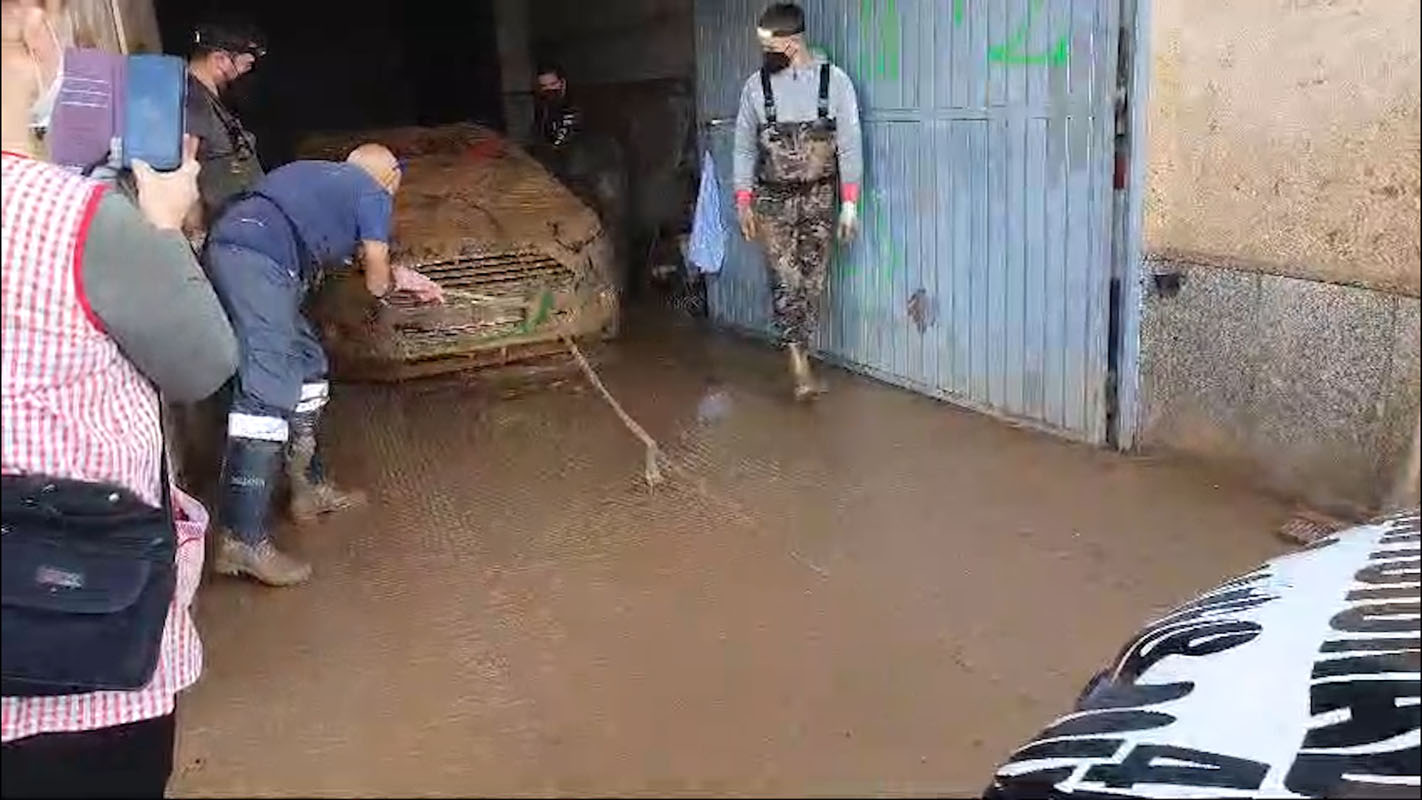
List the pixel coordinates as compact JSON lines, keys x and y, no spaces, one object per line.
{"x":708,"y":228}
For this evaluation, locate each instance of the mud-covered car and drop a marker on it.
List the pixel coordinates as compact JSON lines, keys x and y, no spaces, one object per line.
{"x":521,"y":259}
{"x":1299,"y":679}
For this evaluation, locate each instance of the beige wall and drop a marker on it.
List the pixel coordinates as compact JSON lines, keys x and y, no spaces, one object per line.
{"x":1283,"y":138}
{"x":95,"y":24}
{"x":140,"y":25}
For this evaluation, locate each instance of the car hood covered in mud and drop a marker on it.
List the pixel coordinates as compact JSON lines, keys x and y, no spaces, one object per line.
{"x":520,"y":258}
{"x":1299,"y":679}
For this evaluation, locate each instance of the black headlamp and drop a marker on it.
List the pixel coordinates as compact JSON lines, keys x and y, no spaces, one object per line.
{"x":214,"y":38}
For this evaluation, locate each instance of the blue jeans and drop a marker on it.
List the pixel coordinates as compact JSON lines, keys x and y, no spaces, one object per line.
{"x":278,"y":349}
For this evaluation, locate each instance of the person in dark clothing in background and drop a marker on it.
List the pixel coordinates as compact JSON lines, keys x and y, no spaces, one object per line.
{"x":556,"y":121}
{"x":589,"y":164}
{"x":222,"y":52}
{"x":263,"y":254}
{"x":227,"y":151}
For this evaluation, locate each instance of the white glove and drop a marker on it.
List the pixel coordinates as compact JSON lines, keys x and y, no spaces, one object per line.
{"x":848,"y":220}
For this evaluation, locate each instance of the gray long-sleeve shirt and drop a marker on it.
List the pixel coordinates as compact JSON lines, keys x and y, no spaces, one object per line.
{"x":797,"y":94}
{"x":154,"y":301}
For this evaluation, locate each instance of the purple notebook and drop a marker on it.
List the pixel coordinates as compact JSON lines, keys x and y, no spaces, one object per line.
{"x":88,"y":111}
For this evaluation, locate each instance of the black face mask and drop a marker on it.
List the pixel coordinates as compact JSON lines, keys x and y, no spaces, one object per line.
{"x":773,"y":62}
{"x":240,"y":93}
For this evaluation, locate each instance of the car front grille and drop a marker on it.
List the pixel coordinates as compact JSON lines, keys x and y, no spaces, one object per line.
{"x":514,"y":271}
{"x":489,"y":298}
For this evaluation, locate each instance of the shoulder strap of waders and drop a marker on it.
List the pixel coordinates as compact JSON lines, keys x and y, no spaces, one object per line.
{"x":824,"y":104}
{"x":768,"y":96}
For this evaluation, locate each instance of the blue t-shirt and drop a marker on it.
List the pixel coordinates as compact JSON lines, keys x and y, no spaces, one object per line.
{"x":334,"y":206}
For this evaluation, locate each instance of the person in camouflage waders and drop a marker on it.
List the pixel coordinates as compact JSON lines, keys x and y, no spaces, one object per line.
{"x":797,"y":139}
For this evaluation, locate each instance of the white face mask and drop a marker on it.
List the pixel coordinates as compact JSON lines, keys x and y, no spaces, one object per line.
{"x":43,"y":107}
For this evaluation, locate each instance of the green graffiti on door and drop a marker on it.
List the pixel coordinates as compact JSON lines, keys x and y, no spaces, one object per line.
{"x":881,"y":56}
{"x":883,"y":257}
{"x":888,"y":261}
{"x":882,"y":60}
{"x":1014,"y":49}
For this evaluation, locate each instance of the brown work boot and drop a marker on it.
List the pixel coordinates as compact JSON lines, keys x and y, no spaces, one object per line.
{"x":311,"y":500}
{"x":807,"y":386}
{"x":262,"y":561}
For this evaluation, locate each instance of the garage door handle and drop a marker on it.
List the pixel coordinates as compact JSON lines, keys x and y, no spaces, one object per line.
{"x":717,"y":121}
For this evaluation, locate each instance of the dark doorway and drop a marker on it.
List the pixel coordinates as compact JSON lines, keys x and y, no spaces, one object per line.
{"x":351,"y":64}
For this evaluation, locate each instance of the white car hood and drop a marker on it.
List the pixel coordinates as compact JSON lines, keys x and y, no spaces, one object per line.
{"x":1299,"y":679}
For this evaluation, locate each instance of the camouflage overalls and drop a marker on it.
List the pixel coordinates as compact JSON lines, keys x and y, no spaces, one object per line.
{"x":795,"y":208}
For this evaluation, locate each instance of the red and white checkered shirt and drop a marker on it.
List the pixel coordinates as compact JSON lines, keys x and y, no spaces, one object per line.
{"x":73,"y":407}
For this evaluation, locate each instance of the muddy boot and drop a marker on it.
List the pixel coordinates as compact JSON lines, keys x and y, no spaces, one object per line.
{"x":262,"y":561}
{"x":244,"y":547}
{"x":807,"y":386}
{"x":311,"y":493}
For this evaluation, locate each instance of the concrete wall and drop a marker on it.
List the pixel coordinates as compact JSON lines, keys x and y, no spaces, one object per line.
{"x":1281,"y":216}
{"x":515,"y":65}
{"x":1309,"y":388}
{"x":616,"y":41}
{"x":1284,"y":137}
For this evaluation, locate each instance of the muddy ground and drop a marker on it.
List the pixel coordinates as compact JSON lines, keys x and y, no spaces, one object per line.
{"x":880,"y":594}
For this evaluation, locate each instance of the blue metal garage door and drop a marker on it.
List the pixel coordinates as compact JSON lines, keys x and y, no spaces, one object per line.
{"x":982,"y":273}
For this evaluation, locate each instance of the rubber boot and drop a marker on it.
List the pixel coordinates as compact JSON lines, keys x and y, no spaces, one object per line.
{"x":312,"y":494}
{"x":807,"y":387}
{"x":243,"y":545}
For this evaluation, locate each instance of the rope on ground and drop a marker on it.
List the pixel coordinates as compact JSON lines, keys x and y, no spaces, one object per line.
{"x":653,"y":474}
{"x":652,"y":471}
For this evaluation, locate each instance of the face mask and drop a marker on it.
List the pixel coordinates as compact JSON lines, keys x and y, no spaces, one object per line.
{"x":774,"y":61}
{"x":241,"y":92}
{"x":43,"y":107}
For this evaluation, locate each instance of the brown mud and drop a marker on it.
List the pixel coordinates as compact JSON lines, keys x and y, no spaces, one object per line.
{"x":468,"y":192}
{"x":509,"y":244}
{"x":878,"y":593}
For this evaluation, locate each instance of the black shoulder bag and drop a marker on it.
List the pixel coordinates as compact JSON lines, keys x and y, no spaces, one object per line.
{"x":88,"y":575}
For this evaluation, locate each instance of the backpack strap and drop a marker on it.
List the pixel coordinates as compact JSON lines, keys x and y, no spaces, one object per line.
{"x":824,"y":104}
{"x":768,"y":96}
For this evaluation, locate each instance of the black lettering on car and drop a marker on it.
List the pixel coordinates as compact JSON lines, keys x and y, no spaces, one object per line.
{"x":1378,"y":618}
{"x":1179,"y":766}
{"x":1397,"y":663}
{"x":1374,"y":712}
{"x":1347,"y":774}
